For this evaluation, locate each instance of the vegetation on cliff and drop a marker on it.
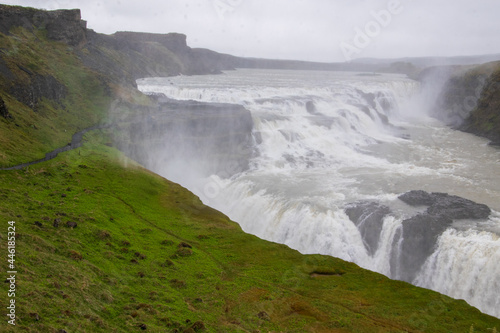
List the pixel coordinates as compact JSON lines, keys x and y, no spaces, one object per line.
{"x":470,"y":98}
{"x":57,"y":77}
{"x":484,"y":120}
{"x":104,"y":245}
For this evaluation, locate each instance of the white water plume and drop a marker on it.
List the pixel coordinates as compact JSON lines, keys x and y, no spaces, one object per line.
{"x":325,"y":140}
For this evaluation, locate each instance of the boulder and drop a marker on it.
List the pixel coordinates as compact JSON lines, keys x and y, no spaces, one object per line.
{"x":419,"y":236}
{"x":456,"y":207}
{"x":369,"y":217}
{"x":452,"y":206}
{"x":417,"y":198}
{"x":310,"y":107}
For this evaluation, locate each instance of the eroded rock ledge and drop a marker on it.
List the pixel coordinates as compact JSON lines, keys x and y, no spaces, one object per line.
{"x":214,"y":138}
{"x":416,"y":240}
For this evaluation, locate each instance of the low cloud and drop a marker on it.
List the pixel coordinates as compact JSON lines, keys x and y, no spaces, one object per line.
{"x":299,"y":29}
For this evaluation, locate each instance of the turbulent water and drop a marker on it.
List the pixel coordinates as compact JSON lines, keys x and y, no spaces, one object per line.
{"x":324,"y":140}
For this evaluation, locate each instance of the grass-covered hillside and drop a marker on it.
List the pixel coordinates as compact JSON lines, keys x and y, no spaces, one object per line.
{"x":103,"y":245}
{"x":57,"y":77}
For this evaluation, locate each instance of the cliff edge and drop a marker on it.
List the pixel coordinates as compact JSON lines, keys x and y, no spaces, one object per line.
{"x":469,"y":99}
{"x":58,"y":77}
{"x":484,"y":120}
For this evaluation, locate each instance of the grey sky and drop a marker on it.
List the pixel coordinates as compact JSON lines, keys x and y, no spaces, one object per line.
{"x":316,"y":30}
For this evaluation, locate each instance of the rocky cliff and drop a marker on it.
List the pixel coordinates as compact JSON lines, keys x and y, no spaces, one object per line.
{"x":123,"y":55}
{"x":58,"y":77}
{"x":60,"y":25}
{"x":469,"y":99}
{"x":484,"y":120}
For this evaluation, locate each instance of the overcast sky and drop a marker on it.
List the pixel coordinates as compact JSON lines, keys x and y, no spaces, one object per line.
{"x":316,"y":30}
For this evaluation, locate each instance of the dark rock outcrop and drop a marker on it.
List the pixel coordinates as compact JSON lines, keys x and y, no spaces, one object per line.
{"x":484,"y":120}
{"x":420,"y":233}
{"x":459,"y":97}
{"x":468,"y":99}
{"x":122,"y":57}
{"x":369,"y":217}
{"x":4,"y":112}
{"x":65,"y":26}
{"x":417,"y":198}
{"x":211,"y":138}
{"x":175,"y":42}
{"x":36,"y":87}
{"x":61,"y":25}
{"x":311,"y":108}
{"x":452,"y":206}
{"x":456,"y":207}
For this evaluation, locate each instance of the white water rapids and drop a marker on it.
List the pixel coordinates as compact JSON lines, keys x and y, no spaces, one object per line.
{"x":327,"y":139}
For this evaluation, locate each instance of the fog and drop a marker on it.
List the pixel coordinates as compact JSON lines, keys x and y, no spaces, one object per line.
{"x":317,"y":30}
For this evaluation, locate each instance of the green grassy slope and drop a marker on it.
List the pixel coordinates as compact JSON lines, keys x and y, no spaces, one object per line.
{"x":147,"y":253}
{"x":32,"y":132}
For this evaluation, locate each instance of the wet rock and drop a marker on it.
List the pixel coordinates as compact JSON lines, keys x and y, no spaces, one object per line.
{"x":369,"y":217}
{"x":311,"y":108}
{"x":417,"y":198}
{"x":368,"y":97}
{"x":452,"y":206}
{"x":219,"y":135}
{"x":419,"y":234}
{"x":457,"y":208}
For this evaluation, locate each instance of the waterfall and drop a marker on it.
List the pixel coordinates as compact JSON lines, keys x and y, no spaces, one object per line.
{"x":326,"y":141}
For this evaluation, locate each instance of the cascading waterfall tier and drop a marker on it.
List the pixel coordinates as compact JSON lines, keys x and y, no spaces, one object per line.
{"x":333,"y":152}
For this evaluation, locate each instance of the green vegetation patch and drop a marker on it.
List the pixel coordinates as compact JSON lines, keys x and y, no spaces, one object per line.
{"x":104,"y":245}
{"x":35,"y":66}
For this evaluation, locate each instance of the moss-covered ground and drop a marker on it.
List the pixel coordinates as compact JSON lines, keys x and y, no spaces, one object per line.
{"x":146,"y":254}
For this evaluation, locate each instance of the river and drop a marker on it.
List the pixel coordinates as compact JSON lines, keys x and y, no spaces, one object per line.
{"x":326,"y":140}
